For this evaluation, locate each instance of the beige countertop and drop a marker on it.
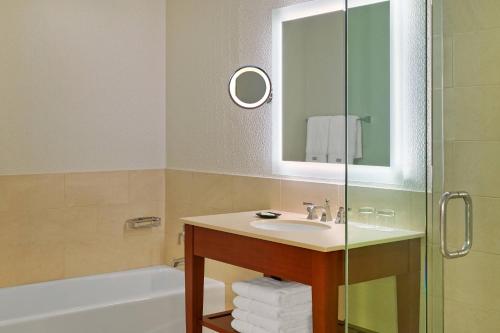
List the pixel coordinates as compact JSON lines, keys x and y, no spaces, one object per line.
{"x":328,"y":240}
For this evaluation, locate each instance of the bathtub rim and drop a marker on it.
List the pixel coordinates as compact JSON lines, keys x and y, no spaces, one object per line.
{"x":209,"y":284}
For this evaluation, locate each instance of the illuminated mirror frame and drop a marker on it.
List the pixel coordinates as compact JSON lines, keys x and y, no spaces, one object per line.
{"x":266,"y":98}
{"x":378,"y":176}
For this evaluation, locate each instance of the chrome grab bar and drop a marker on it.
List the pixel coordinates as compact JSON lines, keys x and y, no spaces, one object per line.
{"x":469,"y":224}
{"x":144,"y":222}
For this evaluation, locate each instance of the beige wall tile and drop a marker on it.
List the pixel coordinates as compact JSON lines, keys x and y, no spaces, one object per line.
{"x":94,"y":256}
{"x":470,"y":15}
{"x":178,"y":185}
{"x":252,"y":193}
{"x":211,"y":194}
{"x":486,"y":226}
{"x":9,"y":255}
{"x":448,"y":62}
{"x":474,"y":280}
{"x":44,"y":226}
{"x":448,"y":176}
{"x":465,"y":318}
{"x":474,"y":168}
{"x":489,"y":12}
{"x":147,"y":185}
{"x":294,"y":193}
{"x":31,"y":192}
{"x":460,"y":16}
{"x":111,"y":221}
{"x":401,"y":202}
{"x":137,"y":251}
{"x":466,"y":59}
{"x":489,"y":55}
{"x":475,"y":58}
{"x":100,"y":188}
{"x":11,"y":226}
{"x":80,"y":222}
{"x":39,"y":261}
{"x":42,"y":237}
{"x":158,"y":249}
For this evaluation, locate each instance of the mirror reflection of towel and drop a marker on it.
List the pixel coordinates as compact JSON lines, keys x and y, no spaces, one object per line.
{"x":336,"y":144}
{"x":317,"y":139}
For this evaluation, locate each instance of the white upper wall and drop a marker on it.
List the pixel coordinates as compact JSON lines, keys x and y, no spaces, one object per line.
{"x":82,"y":85}
{"x":207,"y":41}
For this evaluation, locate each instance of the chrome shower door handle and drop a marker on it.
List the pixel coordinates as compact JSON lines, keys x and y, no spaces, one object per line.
{"x":469,"y":224}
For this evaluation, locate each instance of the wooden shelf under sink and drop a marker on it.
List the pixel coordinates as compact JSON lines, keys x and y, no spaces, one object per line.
{"x":221,"y":322}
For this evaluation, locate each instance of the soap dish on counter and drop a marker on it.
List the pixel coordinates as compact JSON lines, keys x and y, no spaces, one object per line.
{"x":268,"y":215}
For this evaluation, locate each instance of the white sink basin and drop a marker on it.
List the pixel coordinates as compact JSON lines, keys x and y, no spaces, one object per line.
{"x":290,"y":225}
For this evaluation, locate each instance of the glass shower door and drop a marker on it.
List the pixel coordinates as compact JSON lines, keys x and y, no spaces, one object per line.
{"x":466,"y":150}
{"x":386,"y":187}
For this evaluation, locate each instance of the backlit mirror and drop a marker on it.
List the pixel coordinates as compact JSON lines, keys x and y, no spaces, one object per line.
{"x":250,"y":87}
{"x":314,"y":87}
{"x":319,"y":92}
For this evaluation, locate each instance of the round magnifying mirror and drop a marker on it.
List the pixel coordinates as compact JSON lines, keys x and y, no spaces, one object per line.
{"x":250,"y":87}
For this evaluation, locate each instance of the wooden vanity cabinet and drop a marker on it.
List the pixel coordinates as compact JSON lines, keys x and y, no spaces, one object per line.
{"x":324,"y":271}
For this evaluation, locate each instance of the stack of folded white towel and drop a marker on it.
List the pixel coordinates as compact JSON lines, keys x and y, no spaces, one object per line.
{"x":266,"y":305}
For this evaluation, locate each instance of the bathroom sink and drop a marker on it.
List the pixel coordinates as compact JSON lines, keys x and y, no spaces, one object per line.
{"x":290,"y":225}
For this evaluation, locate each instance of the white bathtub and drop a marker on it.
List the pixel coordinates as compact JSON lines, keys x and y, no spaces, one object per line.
{"x":147,"y":300}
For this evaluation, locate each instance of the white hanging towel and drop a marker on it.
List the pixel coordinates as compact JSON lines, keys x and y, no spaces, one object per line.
{"x":317,"y":139}
{"x":336,"y":144}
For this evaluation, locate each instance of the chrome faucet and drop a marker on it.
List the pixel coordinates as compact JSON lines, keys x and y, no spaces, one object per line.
{"x":340,"y":219}
{"x":178,"y":262}
{"x":326,"y":215}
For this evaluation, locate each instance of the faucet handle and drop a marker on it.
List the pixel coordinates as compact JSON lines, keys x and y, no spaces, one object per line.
{"x":311,"y":210}
{"x":340,"y":216}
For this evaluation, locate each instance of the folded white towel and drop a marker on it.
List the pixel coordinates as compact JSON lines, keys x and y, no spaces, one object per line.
{"x":274,"y":292}
{"x":273,"y":326}
{"x":272,"y":312}
{"x":244,"y":327}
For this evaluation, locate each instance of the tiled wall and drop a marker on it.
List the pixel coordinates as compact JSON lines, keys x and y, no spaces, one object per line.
{"x":472,"y":134}
{"x":58,"y":226}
